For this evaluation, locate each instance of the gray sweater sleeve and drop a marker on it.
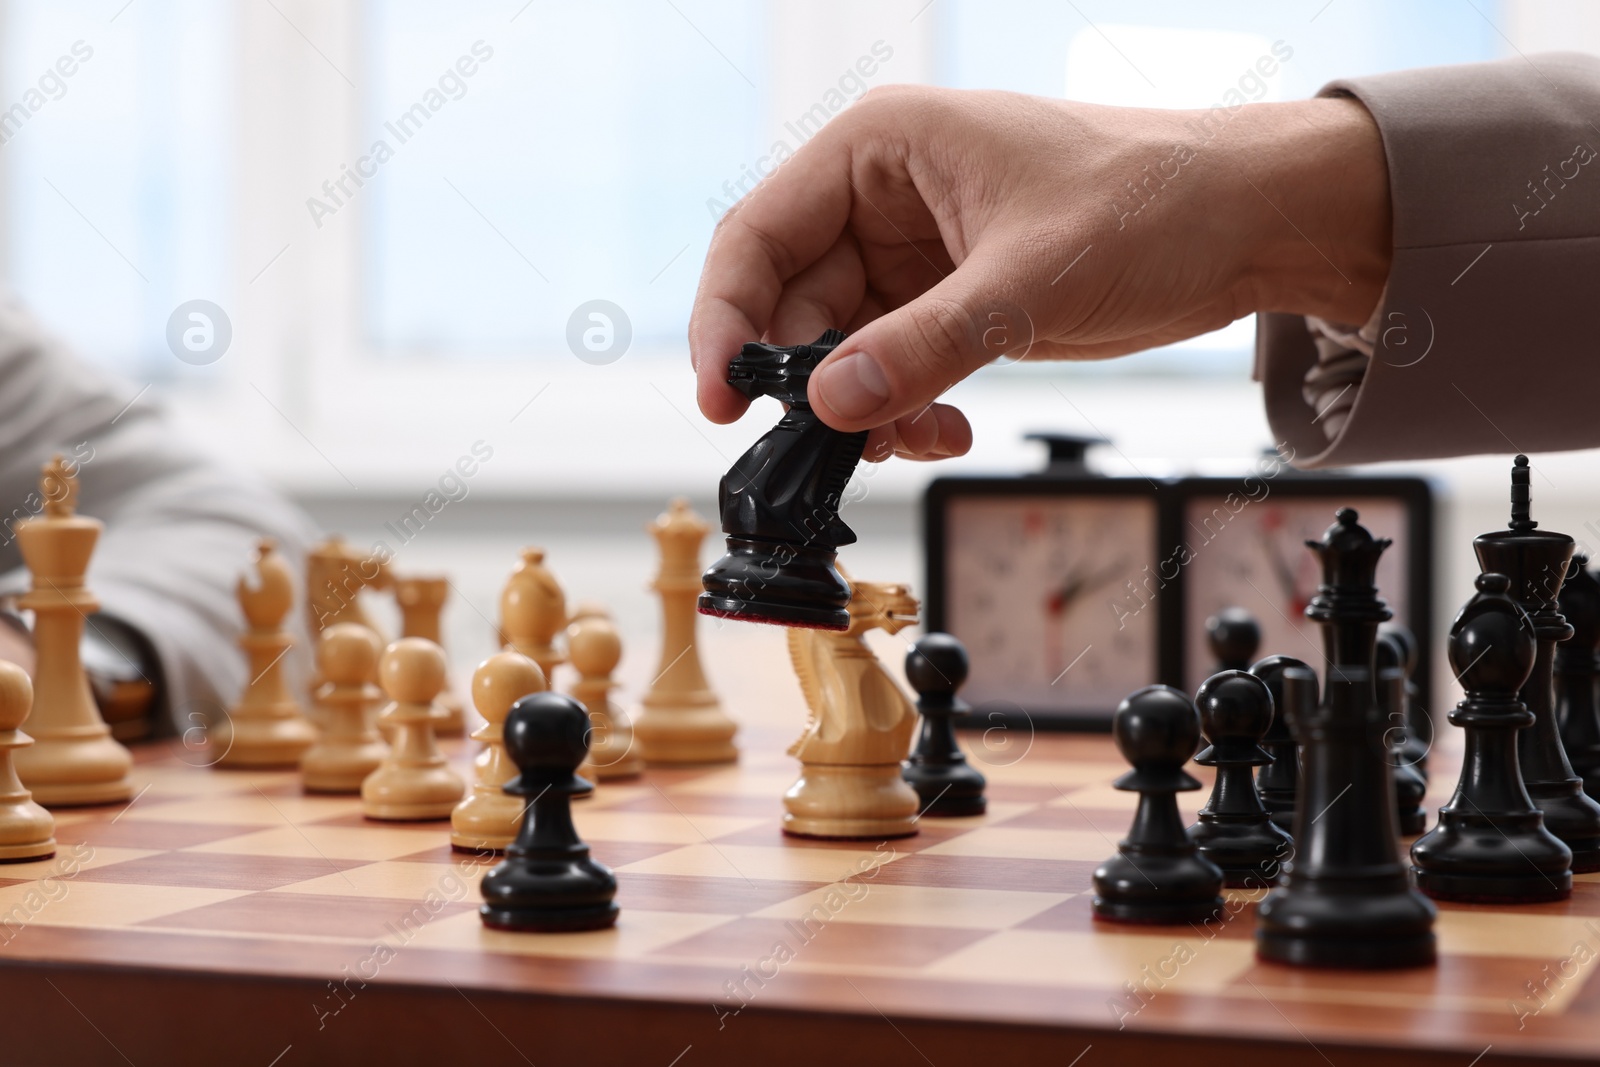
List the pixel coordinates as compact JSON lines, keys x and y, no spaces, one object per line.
{"x":180,"y":524}
{"x":1485,"y":328}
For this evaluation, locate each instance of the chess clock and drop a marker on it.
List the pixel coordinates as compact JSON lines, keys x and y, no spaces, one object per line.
{"x":1245,"y":540}
{"x":1025,"y":570}
{"x":1072,"y":589}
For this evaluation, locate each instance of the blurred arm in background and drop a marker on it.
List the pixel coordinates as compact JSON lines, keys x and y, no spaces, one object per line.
{"x":181,"y":526}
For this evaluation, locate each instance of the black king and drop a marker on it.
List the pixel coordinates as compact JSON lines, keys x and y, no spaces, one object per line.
{"x":780,"y":501}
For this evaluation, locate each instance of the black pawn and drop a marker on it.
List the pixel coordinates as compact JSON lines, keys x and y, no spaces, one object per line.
{"x":1418,"y":740}
{"x":1157,"y":876}
{"x":1490,"y":846}
{"x":1536,"y":562}
{"x":1346,"y":900}
{"x":1235,"y":636}
{"x":1278,"y":781}
{"x":547,"y":882}
{"x":1235,"y":831}
{"x":1577,"y":669}
{"x":946,"y":783}
{"x":1410,"y":787}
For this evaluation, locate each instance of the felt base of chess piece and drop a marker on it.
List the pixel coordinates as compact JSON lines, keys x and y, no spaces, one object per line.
{"x":1278,"y":782}
{"x":547,"y":882}
{"x":1234,"y":830}
{"x":1157,"y":876}
{"x":850,"y":803}
{"x":777,"y":582}
{"x":946,"y":784}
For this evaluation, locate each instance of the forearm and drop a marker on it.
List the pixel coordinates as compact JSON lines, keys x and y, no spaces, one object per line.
{"x":1315,"y":206}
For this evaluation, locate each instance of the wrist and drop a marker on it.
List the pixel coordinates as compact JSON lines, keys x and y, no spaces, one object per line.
{"x":1320,"y":221}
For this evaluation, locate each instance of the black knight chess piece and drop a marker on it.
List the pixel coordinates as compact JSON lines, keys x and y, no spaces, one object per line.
{"x":1234,"y":636}
{"x":1536,"y":561}
{"x":1410,"y":786}
{"x":1577,"y":670}
{"x":780,"y":501}
{"x":547,"y":882}
{"x":1346,"y":900}
{"x":1278,"y":781}
{"x":1157,"y":875}
{"x":1490,"y":846}
{"x":945,"y":782}
{"x":1234,"y":830}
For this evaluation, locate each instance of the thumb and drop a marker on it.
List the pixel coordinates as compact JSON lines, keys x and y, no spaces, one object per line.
{"x":901,"y":362}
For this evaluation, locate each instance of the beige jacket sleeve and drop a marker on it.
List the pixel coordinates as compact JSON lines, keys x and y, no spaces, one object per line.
{"x":1485,"y":336}
{"x":181,"y":524}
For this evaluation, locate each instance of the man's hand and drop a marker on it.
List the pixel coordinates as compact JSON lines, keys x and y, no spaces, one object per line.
{"x":943,"y":229}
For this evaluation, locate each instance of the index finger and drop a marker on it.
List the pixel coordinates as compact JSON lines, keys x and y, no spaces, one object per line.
{"x":783,"y":226}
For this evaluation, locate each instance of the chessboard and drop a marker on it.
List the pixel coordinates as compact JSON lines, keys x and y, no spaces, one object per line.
{"x":224,"y":916}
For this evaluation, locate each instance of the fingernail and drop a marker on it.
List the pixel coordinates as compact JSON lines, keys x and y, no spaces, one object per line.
{"x":853,"y":386}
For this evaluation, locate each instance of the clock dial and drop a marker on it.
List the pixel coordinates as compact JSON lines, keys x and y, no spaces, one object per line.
{"x":1256,"y":558}
{"x":1036,"y":588}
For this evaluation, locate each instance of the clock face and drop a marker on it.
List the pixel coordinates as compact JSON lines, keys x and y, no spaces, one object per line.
{"x":1036,"y":588}
{"x":1256,"y":558}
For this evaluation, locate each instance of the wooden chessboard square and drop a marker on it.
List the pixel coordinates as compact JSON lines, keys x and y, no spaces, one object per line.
{"x":253,"y":807}
{"x":862,"y":900}
{"x":1114,"y":824}
{"x":78,"y":902}
{"x":824,"y":943}
{"x":72,"y":859}
{"x":1099,"y":959}
{"x":695,"y":803}
{"x":393,"y":879}
{"x":771,"y":863}
{"x":380,"y":841}
{"x":214,"y":870}
{"x":1480,"y":930}
{"x":1105,"y":798}
{"x":667,"y":827}
{"x":639,"y":932}
{"x":722,"y":896}
{"x":929,"y":832}
{"x":985,"y":872}
{"x":1032,"y":770}
{"x":172,"y":780}
{"x":1015,"y":843}
{"x":147,"y":833}
{"x":768,"y":783}
{"x":354,"y":918}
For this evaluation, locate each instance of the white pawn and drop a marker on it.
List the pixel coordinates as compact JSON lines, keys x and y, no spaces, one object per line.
{"x":414,"y":781}
{"x":27,"y":831}
{"x":594,"y":649}
{"x":349,"y":747}
{"x":488,"y":820}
